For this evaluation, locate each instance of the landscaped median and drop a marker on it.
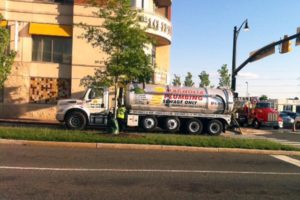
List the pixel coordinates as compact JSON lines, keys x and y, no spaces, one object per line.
{"x":43,"y":134}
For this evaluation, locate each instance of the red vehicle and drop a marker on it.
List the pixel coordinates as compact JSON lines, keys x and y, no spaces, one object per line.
{"x":260,"y":114}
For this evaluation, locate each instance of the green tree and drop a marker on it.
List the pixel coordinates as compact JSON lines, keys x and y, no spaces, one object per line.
{"x":123,"y":39}
{"x":188,"y":82}
{"x":204,"y":79}
{"x":263,"y":97}
{"x":176,"y":81}
{"x":6,"y":56}
{"x":224,"y":80}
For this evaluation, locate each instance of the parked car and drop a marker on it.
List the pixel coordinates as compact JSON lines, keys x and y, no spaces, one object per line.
{"x":295,"y":116}
{"x":288,"y":121}
{"x":291,"y":114}
{"x":297,"y":121}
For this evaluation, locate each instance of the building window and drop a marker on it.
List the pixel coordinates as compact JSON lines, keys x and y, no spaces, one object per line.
{"x":51,"y":49}
{"x":288,"y":107}
{"x":48,"y":90}
{"x":298,"y":109}
{"x":153,"y":55}
{"x":162,"y":11}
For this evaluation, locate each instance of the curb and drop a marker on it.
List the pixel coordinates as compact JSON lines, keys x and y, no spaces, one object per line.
{"x":146,"y":147}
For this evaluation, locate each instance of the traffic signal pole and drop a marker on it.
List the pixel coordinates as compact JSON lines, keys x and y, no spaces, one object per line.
{"x":255,"y":56}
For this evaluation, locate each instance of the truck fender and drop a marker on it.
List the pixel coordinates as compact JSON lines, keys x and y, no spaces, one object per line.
{"x":87,"y":114}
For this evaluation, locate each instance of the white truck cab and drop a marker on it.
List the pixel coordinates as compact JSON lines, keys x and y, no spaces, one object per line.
{"x":92,"y":109}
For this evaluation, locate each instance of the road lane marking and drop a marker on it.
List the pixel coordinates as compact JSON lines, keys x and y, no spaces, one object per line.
{"x":288,"y":159}
{"x":143,"y":170}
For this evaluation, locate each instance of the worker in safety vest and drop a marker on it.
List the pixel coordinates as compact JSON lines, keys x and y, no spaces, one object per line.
{"x":121,"y":117}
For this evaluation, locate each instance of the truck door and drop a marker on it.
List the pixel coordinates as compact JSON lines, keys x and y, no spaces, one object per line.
{"x":95,"y":100}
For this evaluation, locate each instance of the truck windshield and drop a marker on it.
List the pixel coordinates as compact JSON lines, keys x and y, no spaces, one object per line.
{"x":263,"y":105}
{"x":96,"y":93}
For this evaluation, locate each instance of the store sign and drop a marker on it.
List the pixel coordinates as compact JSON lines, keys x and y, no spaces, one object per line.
{"x":157,"y":24}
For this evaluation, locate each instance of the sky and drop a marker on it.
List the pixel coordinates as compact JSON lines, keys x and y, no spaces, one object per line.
{"x":203,"y":40}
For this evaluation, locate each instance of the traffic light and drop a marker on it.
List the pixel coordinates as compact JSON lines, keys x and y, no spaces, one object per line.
{"x":286,"y":46}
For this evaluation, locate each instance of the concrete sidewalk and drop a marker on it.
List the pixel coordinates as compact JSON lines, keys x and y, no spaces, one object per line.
{"x":28,"y":121}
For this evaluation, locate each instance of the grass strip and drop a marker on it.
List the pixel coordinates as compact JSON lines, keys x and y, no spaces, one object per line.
{"x":45,"y":134}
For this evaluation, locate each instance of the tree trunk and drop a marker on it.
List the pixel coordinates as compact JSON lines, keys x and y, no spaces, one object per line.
{"x":116,"y":100}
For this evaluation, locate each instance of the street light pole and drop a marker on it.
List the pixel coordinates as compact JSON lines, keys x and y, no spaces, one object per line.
{"x":247,"y":94}
{"x":236,"y":32}
{"x":233,"y":79}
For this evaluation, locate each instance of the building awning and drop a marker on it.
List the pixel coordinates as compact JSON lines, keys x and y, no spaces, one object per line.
{"x":50,"y":29}
{"x":3,"y":23}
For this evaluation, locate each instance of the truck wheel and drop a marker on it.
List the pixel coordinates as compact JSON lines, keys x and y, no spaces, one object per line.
{"x":149,"y":123}
{"x":256,"y":124}
{"x":215,"y":127}
{"x":194,"y":126}
{"x":172,"y":124}
{"x":76,"y":120}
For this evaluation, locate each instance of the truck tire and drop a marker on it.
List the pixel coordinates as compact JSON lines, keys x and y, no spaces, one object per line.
{"x":256,"y":124}
{"x":76,"y":120}
{"x":194,"y":126}
{"x":149,"y":123}
{"x":172,"y":124}
{"x":214,"y":127}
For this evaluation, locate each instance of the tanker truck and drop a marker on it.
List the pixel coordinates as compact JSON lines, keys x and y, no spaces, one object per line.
{"x":188,"y":109}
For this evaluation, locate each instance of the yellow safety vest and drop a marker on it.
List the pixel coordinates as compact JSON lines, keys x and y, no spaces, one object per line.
{"x":121,"y":113}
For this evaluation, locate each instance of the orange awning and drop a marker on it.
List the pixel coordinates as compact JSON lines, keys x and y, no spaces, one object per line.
{"x":50,"y":29}
{"x":3,"y":23}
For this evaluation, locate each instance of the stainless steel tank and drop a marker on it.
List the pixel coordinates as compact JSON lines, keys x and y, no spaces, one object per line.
{"x":179,"y":99}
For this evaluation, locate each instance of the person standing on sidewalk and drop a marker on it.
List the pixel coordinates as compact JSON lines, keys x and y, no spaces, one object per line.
{"x":121,"y":117}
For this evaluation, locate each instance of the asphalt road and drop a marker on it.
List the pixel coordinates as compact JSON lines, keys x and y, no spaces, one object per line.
{"x":66,"y":173}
